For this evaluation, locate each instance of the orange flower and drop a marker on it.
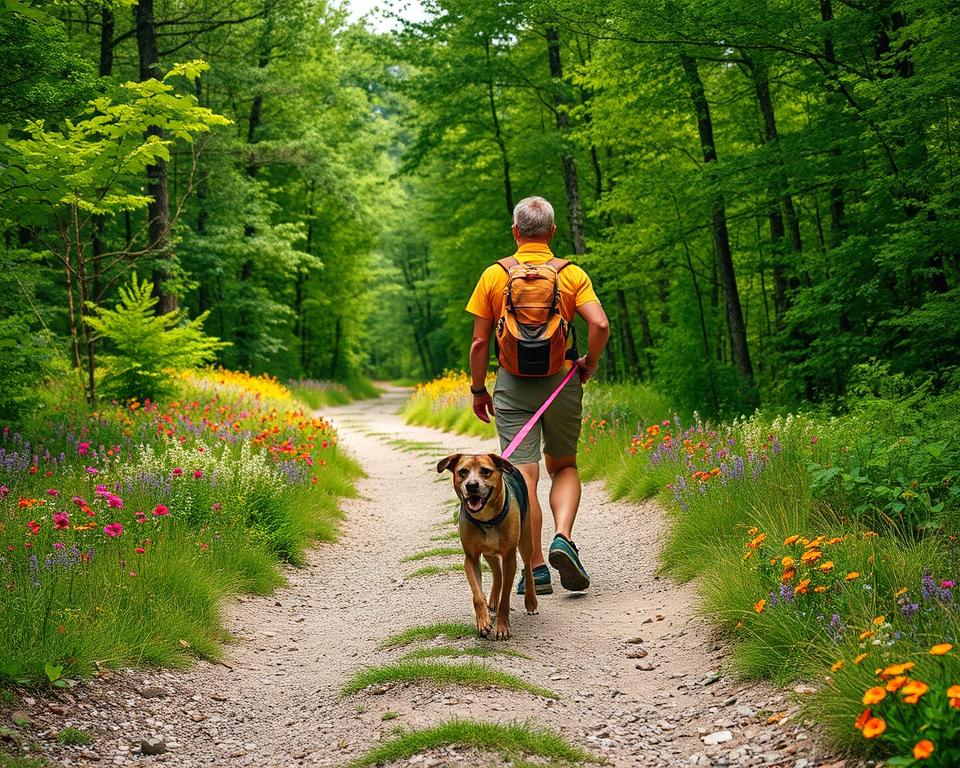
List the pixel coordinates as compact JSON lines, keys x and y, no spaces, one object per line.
{"x":896,"y":683}
{"x":748,"y":555}
{"x":894,"y":670}
{"x":802,"y":587}
{"x":814,"y":544}
{"x":923,"y":749}
{"x":811,"y":556}
{"x":756,"y":542}
{"x":788,"y":563}
{"x":759,"y":605}
{"x":790,"y":539}
{"x":836,"y":666}
{"x":874,"y":727}
{"x":827,"y":566}
{"x":954,"y":691}
{"x":820,"y":589}
{"x":912,"y":691}
{"x":880,"y":620}
{"x":860,"y":658}
{"x":753,"y":531}
{"x":851,"y":576}
{"x":862,"y":720}
{"x":866,"y":635}
{"x":835,"y":540}
{"x":900,"y":592}
{"x":955,"y":703}
{"x":940,"y":649}
{"x":875,"y":695}
{"x":788,"y":576}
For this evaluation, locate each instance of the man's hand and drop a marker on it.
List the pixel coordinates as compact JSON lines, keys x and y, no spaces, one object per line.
{"x":483,"y":406}
{"x":587,"y":369}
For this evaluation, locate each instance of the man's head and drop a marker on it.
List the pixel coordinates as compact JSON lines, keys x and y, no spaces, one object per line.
{"x":533,"y":221}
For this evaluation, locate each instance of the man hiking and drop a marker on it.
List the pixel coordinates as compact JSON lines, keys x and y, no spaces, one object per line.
{"x":527,"y":303}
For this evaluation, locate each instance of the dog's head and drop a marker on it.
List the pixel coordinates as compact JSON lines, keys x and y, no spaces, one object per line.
{"x":476,"y":478}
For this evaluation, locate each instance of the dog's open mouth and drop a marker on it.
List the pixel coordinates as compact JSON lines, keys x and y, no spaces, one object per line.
{"x":475,"y":502}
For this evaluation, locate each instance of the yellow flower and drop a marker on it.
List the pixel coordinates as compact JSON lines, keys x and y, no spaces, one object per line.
{"x":790,"y":539}
{"x":941,"y":649}
{"x":900,"y":592}
{"x":860,"y":658}
{"x":874,"y":727}
{"x":827,"y":566}
{"x":868,"y":634}
{"x":788,"y":563}
{"x":759,"y":605}
{"x":748,"y":555}
{"x":820,"y":589}
{"x":923,"y":749}
{"x":875,"y":695}
{"x":836,"y":665}
{"x":851,"y":576}
{"x":880,"y":620}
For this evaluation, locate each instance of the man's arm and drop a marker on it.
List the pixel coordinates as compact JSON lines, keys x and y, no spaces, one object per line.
{"x":598,"y":332}
{"x":479,"y":359}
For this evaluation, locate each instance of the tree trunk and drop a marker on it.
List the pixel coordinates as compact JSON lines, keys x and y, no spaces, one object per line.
{"x":837,"y":224}
{"x":158,"y":210}
{"x":736,"y":328}
{"x":629,"y":346}
{"x":107,"y":28}
{"x":498,"y":134}
{"x":574,"y":207}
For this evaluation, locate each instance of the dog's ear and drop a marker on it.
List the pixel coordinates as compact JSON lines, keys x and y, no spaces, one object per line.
{"x":501,"y":463}
{"x":448,"y":463}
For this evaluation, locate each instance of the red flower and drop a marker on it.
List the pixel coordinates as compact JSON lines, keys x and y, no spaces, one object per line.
{"x":34,"y":527}
{"x":160,"y":510}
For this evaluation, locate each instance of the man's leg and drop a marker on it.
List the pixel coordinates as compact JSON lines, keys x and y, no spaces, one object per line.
{"x":531,"y":473}
{"x":564,"y":492}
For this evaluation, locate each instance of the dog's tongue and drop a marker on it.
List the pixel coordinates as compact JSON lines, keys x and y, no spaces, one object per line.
{"x":474,"y":503}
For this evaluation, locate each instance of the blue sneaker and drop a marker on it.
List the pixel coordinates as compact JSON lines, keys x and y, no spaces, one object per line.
{"x":565,"y":557}
{"x":541,"y":581}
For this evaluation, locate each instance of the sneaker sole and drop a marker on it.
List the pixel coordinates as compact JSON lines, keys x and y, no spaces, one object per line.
{"x":541,"y":589}
{"x":571,"y":577}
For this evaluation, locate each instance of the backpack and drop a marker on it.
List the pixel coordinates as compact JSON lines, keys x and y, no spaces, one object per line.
{"x":531,"y":336}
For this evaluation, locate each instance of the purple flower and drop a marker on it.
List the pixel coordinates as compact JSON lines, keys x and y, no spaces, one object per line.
{"x":910,"y":610}
{"x":786,"y":593}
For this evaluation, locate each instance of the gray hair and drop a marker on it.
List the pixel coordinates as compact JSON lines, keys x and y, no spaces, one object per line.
{"x":533,"y":217}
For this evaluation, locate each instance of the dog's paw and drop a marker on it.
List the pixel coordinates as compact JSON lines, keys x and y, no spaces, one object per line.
{"x":484,"y":625}
{"x":531,"y":607}
{"x":501,"y":631}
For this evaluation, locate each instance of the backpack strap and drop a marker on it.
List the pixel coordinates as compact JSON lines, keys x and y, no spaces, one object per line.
{"x":508,"y":263}
{"x":558,"y":264}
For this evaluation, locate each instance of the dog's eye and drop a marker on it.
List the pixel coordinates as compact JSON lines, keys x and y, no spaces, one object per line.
{"x":462,"y":473}
{"x":484,"y":472}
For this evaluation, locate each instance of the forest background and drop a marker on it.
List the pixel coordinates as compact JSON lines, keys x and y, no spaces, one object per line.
{"x":765,"y":195}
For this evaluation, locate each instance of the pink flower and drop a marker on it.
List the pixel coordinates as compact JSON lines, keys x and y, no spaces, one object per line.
{"x":160,"y":510}
{"x":53,"y":492}
{"x":83,"y":448}
{"x":115,"y":501}
{"x":61,"y":521}
{"x":113,"y":530}
{"x":92,"y":471}
{"x":141,"y":518}
{"x":58,"y":545}
{"x":217,"y":506}
{"x":140,"y":550}
{"x":4,"y":490}
{"x":177,"y":471}
{"x":948,"y":584}
{"x":197,"y":474}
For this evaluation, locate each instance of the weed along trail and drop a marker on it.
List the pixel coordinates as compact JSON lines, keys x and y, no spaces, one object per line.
{"x":376,"y":632}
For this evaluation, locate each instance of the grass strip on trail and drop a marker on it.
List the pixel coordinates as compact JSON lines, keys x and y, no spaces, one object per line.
{"x":437,"y":570}
{"x":435,"y":552}
{"x":448,"y":652}
{"x":509,"y":741}
{"x":448,"y":536}
{"x":447,"y":630}
{"x":469,"y":674}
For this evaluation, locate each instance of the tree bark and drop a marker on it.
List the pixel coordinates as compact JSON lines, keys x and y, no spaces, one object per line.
{"x":574,"y":206}
{"x":158,"y":210}
{"x":498,"y":133}
{"x":629,"y":346}
{"x":837,"y":223}
{"x":736,"y":328}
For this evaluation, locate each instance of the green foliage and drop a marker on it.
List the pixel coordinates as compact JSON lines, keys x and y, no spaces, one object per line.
{"x":470,"y":673}
{"x":145,"y":347}
{"x":73,"y":737}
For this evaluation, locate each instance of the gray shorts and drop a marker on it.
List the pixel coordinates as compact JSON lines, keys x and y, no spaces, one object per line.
{"x":516,"y":399}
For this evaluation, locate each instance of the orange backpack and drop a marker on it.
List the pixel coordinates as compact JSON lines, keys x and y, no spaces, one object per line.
{"x":531,"y":336}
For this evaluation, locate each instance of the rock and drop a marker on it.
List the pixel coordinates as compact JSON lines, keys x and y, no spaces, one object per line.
{"x":776,"y":717}
{"x":197,"y":717}
{"x":153,"y":692}
{"x":717,"y":737}
{"x":379,"y":690}
{"x":152,"y":747}
{"x":645,"y":667}
{"x":700,"y":759}
{"x":633,"y":640}
{"x":86,"y":754}
{"x":801,"y":763}
{"x":58,"y":709}
{"x":744,"y":711}
{"x":637,"y":653}
{"x":804,"y":690}
{"x":20,"y":718}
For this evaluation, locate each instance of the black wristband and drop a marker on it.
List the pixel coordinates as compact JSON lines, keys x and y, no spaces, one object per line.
{"x":481,"y":391}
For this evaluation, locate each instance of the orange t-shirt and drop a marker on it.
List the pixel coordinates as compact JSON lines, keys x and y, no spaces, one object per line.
{"x":576,"y":289}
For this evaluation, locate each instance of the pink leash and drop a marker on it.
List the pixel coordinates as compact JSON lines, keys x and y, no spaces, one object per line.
{"x":525,"y":429}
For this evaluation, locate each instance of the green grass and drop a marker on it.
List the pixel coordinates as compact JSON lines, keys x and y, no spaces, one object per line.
{"x":439,"y":570}
{"x":446,"y":630}
{"x":389,"y":715}
{"x":470,"y":674}
{"x":73,"y":737}
{"x":435,"y":552}
{"x":419,"y":447}
{"x":17,"y":761}
{"x":448,"y":536}
{"x":324,"y":394}
{"x":447,"y":652}
{"x":512,"y":742}
{"x":458,"y":419}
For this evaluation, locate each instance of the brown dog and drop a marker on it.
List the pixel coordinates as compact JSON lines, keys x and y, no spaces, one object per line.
{"x":493,"y":523}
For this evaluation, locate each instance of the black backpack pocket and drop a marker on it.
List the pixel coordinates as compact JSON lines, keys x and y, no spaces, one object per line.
{"x":533,"y":357}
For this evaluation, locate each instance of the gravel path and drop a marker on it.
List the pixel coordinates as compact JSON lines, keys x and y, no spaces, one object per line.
{"x":639,"y":675}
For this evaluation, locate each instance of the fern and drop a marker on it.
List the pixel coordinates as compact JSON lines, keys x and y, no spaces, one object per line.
{"x":143,"y":347}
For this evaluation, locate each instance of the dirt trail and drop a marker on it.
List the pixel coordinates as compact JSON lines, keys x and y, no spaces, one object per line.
{"x":277,"y":702}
